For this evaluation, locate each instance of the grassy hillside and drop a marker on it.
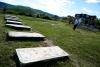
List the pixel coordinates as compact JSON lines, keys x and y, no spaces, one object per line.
{"x":83,"y":46}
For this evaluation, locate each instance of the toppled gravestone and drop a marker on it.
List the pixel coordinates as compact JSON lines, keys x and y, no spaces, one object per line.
{"x":10,"y":17}
{"x":19,"y":27}
{"x":14,"y":35}
{"x":13,"y":22}
{"x":39,"y":54}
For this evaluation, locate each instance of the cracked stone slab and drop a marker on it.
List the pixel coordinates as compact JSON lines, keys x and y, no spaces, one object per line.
{"x":31,"y":55}
{"x":12,"y":18}
{"x":13,"y":22}
{"x":20,"y":27}
{"x":25,"y":35}
{"x":9,"y":17}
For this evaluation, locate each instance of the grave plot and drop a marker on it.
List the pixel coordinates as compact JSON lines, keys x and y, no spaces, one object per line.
{"x":13,"y":35}
{"x":13,"y":22}
{"x":10,"y":16}
{"x":19,"y":27}
{"x":40,"y":54}
{"x":14,"y":18}
{"x":7,"y":16}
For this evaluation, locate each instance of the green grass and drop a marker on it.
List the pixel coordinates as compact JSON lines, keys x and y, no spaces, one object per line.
{"x":82,"y":45}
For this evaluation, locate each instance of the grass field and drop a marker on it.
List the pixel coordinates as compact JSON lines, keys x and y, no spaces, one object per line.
{"x":83,"y":46}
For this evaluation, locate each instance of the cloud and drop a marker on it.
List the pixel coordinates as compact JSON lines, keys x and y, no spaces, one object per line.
{"x":85,"y":10}
{"x":52,"y":6}
{"x":9,"y":1}
{"x":92,"y":1}
{"x":57,"y":7}
{"x":90,"y":12}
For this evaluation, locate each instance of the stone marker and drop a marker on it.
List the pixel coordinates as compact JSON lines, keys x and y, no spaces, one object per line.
{"x":19,"y":27}
{"x":7,"y":16}
{"x":13,"y":35}
{"x":39,"y":54}
{"x":11,"y":18}
{"x":14,"y":19}
{"x":13,"y":22}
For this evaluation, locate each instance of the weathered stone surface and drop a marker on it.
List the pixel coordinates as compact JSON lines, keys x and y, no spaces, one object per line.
{"x":25,"y":35}
{"x":31,"y":55}
{"x":13,"y":22}
{"x":9,"y":17}
{"x":20,"y":27}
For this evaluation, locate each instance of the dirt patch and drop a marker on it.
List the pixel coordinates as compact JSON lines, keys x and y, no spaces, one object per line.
{"x":46,"y":43}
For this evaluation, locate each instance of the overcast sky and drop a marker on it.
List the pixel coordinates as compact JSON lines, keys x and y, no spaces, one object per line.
{"x":61,"y":7}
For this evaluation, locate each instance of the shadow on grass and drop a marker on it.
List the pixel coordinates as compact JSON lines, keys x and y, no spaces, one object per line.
{"x":46,"y":63}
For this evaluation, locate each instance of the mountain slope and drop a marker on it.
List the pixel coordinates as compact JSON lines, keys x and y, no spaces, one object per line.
{"x":23,"y":10}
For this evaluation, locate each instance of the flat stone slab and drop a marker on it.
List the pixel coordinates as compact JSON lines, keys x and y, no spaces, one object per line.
{"x":13,"y":22}
{"x":25,"y":35}
{"x":31,"y":55}
{"x":20,"y":27}
{"x":8,"y":17}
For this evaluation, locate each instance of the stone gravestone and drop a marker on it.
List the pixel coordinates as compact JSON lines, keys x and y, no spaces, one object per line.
{"x":9,"y":17}
{"x":19,"y":27}
{"x":39,"y":54}
{"x":13,"y":35}
{"x":13,"y":22}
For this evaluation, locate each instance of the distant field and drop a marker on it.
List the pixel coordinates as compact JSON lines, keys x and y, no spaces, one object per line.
{"x":83,"y":46}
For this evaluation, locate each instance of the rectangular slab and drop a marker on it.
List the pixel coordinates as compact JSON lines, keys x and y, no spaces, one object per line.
{"x":19,"y":27}
{"x":13,"y":22}
{"x":12,"y":18}
{"x":25,"y":35}
{"x":31,"y":55}
{"x":7,"y":16}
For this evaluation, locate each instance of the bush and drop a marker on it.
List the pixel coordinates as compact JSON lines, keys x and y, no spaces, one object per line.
{"x":98,"y":23}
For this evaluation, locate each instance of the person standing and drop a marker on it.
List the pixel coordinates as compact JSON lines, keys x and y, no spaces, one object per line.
{"x":76,"y":22}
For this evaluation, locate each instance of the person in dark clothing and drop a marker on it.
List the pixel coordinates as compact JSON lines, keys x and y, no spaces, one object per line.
{"x":76,"y":22}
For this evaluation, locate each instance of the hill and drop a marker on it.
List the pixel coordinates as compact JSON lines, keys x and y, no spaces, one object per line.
{"x":23,"y":10}
{"x":83,"y":46}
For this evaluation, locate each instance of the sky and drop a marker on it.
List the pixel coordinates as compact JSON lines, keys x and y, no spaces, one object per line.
{"x":61,"y":7}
